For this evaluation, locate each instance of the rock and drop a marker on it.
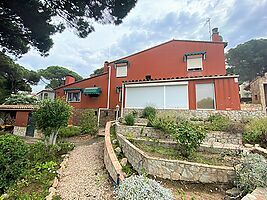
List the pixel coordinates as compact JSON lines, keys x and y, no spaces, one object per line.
{"x":257,"y":145}
{"x":118,"y":150}
{"x":114,"y":141}
{"x":124,"y":162}
{"x":52,"y":190}
{"x":248,"y":145}
{"x":234,"y":192}
{"x":55,"y":183}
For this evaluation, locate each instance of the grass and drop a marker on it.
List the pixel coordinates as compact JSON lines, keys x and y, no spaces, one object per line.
{"x":156,"y":150}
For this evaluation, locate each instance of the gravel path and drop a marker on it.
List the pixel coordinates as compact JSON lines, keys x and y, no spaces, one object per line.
{"x":85,"y":176}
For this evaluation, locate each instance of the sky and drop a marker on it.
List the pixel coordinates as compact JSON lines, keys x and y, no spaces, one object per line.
{"x":150,"y":23}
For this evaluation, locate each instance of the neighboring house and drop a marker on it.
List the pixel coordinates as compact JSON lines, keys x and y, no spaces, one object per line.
{"x":178,"y":74}
{"x":244,"y":92}
{"x":18,"y":119}
{"x":46,"y":94}
{"x":258,"y":88}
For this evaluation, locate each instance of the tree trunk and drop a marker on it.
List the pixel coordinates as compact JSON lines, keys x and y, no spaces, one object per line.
{"x":51,"y":138}
{"x":55,"y":138}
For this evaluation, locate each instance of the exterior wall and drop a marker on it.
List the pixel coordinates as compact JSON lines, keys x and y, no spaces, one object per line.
{"x":22,"y":118}
{"x":166,"y":61}
{"x":105,"y":116}
{"x":257,"y":90}
{"x":20,"y":131}
{"x":211,"y":138}
{"x":174,"y":169}
{"x":87,"y":101}
{"x":251,"y":107}
{"x":226,"y":93}
{"x":204,"y":114}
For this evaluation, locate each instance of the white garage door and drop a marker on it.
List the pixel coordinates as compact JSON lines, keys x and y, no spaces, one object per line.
{"x":163,"y":95}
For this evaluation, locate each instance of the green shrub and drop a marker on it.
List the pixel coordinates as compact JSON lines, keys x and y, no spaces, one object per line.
{"x":149,"y":111}
{"x":142,"y":188}
{"x":256,"y":132}
{"x":235,"y":127}
{"x":13,"y":159}
{"x":189,"y":137}
{"x":129,"y":119}
{"x":218,"y":122}
{"x":251,"y":173}
{"x":89,"y":123}
{"x":70,"y":131}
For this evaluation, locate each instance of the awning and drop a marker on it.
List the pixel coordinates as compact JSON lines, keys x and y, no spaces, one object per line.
{"x":121,"y":61}
{"x":195,"y":53}
{"x":92,"y":91}
{"x":70,"y":89}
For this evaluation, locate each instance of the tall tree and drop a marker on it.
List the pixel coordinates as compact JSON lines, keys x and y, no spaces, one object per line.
{"x":97,"y":72}
{"x":25,"y":23}
{"x":14,"y":78}
{"x":248,"y":60}
{"x":56,"y":75}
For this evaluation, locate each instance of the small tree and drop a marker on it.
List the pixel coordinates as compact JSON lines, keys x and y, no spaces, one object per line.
{"x":51,"y":116}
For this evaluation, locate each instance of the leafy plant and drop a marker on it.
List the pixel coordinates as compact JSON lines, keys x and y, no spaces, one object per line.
{"x":218,"y":122}
{"x":256,"y":132}
{"x":51,"y":116}
{"x":13,"y":159}
{"x":69,"y":131}
{"x":149,"y":111}
{"x":251,"y":173}
{"x":189,"y":137}
{"x":129,"y":119}
{"x":142,"y":188}
{"x":89,"y":123}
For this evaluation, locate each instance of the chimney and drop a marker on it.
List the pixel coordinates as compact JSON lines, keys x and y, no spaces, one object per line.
{"x":105,"y":67}
{"x":216,"y":36}
{"x":69,"y":79}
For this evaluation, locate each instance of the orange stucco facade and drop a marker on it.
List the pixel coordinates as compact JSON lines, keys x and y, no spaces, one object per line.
{"x":22,"y":118}
{"x":165,"y":61}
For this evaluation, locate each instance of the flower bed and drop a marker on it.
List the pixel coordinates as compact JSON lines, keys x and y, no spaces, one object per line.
{"x":174,"y":169}
{"x":142,"y":131}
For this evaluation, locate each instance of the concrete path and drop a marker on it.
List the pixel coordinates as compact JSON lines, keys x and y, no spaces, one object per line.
{"x":85,"y":176}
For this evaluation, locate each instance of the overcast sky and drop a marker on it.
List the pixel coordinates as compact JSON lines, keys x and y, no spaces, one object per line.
{"x":149,"y":23}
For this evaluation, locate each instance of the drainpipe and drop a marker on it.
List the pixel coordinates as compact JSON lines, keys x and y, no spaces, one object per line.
{"x":109,"y":75}
{"x":122,"y":100}
{"x":99,"y":109}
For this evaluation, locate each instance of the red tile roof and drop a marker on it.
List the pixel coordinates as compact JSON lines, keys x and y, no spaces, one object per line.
{"x":17,"y":107}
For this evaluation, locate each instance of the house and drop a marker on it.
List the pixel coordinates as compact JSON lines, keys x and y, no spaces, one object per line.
{"x":244,"y":92}
{"x":46,"y":94}
{"x":258,"y":88}
{"x":18,"y":120}
{"x":178,"y":74}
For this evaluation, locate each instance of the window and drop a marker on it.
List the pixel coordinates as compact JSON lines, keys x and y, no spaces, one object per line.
{"x":74,"y":96}
{"x":45,"y":96}
{"x":205,"y":96}
{"x":121,"y":71}
{"x":194,"y":63}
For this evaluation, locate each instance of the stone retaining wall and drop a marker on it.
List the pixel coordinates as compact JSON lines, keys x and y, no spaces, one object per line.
{"x":212,"y":137}
{"x":111,"y":162}
{"x":174,"y":169}
{"x":251,"y":107}
{"x":204,"y":114}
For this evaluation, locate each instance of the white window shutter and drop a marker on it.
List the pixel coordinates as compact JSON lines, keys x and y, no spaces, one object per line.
{"x":121,"y":71}
{"x":194,"y":63}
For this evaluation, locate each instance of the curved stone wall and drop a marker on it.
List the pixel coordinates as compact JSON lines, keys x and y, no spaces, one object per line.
{"x":110,"y":159}
{"x":174,"y":169}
